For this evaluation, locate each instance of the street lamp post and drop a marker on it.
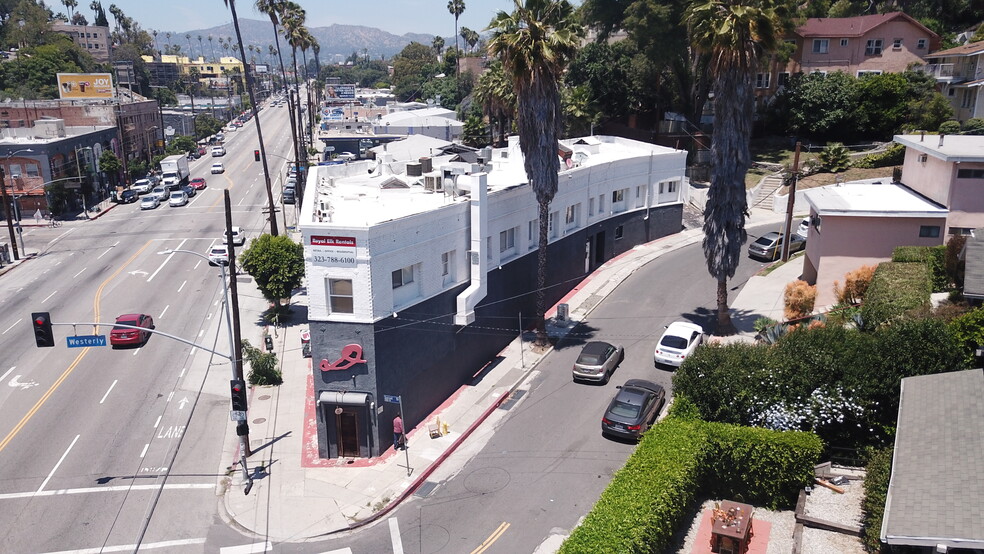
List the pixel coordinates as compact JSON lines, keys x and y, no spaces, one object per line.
{"x":235,"y":357}
{"x":6,"y":202}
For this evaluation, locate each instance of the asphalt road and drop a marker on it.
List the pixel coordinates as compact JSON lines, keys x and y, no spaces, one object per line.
{"x":534,"y":470}
{"x":106,"y":448}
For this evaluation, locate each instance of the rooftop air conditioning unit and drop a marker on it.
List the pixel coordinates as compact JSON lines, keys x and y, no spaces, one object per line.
{"x":433,"y":183}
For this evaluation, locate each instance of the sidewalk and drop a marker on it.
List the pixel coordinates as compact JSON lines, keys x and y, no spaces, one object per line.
{"x":296,"y":495}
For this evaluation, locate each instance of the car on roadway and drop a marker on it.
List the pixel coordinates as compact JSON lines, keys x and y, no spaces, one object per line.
{"x":161,"y":193}
{"x":218,"y":254}
{"x":288,"y":197}
{"x":597,"y":361}
{"x":217,"y":167}
{"x":189,"y":190}
{"x":230,"y":128}
{"x":128,"y":196}
{"x":149,"y":202}
{"x":804,"y":228}
{"x":238,"y":236}
{"x":769,"y":246}
{"x":633,"y":409}
{"x":178,"y":198}
{"x":679,"y":340}
{"x":142,"y":186}
{"x":124,"y":336}
{"x":346,"y":156}
{"x":198,"y":183}
{"x":218,"y":151}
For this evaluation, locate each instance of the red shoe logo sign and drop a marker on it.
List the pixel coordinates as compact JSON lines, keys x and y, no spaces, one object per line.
{"x":351,"y":355}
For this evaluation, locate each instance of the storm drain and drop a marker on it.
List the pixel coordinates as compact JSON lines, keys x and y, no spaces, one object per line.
{"x":425,"y":489}
{"x":514,"y":397}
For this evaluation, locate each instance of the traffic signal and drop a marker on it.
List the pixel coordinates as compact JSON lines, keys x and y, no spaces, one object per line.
{"x":42,"y":329}
{"x":242,"y":429}
{"x":256,"y":155}
{"x":238,"y":387}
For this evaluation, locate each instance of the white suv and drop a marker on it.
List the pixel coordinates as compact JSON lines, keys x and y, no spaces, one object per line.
{"x":219,"y":254}
{"x":142,"y":186}
{"x":218,"y":151}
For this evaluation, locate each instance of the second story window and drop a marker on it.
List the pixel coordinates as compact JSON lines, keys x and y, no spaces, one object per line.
{"x":844,"y":42}
{"x":821,"y":45}
{"x":921,"y":44}
{"x":402,"y":277}
{"x":762,"y":80}
{"x":897,"y":44}
{"x":874,"y":47}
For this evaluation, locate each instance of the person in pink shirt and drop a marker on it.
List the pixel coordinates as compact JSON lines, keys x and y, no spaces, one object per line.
{"x":397,"y":432}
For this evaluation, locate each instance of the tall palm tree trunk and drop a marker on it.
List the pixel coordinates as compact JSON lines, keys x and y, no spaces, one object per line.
{"x":301,"y":152}
{"x":290,"y":110}
{"x":543,"y":210}
{"x":259,"y":129}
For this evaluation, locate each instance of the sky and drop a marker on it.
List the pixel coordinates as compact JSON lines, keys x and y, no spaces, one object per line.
{"x":394,"y":16}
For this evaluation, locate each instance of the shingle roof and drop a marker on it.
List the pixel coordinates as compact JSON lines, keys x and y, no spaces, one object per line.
{"x":937,"y":483}
{"x":850,"y":26}
{"x":969,"y":49}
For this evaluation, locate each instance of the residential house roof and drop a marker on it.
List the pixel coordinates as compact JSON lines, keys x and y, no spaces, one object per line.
{"x":934,"y":496}
{"x":974,"y":268}
{"x":949,"y":148}
{"x":872,"y":198}
{"x":969,"y":49}
{"x":851,"y":26}
{"x":412,"y":148}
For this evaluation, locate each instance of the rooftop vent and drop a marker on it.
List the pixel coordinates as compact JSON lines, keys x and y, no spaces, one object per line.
{"x":414,"y":169}
{"x":426,"y":165}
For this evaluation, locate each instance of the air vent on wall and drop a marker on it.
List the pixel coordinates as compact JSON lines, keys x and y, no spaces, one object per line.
{"x":923,"y":158}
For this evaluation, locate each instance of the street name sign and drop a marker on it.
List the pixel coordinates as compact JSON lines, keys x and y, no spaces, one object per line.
{"x":85,"y":341}
{"x":391,"y":399}
{"x":237,"y":415}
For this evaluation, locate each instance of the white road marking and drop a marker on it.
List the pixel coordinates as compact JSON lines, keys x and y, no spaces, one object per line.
{"x":120,"y":488}
{"x":14,"y":383}
{"x":60,"y":460}
{"x":170,"y":396}
{"x":167,"y":259}
{"x":183,"y":402}
{"x":133,"y":547}
{"x":164,"y":312}
{"x":395,"y":538}
{"x":108,"y":250}
{"x":182,"y":285}
{"x":108,"y":391}
{"x":198,"y":264}
{"x":136,"y":351}
{"x":9,"y":328}
{"x":255,"y":548}
{"x":79,"y":273}
{"x":182,"y":374}
{"x":345,"y":550}
{"x":49,"y":296}
{"x":144,"y":451}
{"x":209,"y":316}
{"x":9,"y":371}
{"x":158,"y":422}
{"x":202,"y":332}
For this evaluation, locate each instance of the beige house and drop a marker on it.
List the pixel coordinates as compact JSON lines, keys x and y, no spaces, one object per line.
{"x":867,"y":44}
{"x":855,"y":224}
{"x":959,"y":73}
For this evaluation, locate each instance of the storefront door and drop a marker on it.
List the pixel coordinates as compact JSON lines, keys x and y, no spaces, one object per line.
{"x":347,"y":424}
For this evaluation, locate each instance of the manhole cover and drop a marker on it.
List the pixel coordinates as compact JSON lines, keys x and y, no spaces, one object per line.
{"x":486,"y":480}
{"x":264,"y":397}
{"x":259,"y":420}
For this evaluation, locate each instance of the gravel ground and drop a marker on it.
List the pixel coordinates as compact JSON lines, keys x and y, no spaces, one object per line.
{"x":780,"y":535}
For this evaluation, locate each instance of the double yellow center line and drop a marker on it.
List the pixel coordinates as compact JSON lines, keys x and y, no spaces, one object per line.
{"x":492,"y":538}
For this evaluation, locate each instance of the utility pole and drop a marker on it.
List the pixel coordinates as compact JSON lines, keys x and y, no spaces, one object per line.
{"x":787,"y":236}
{"x":6,"y":211}
{"x":237,"y":352}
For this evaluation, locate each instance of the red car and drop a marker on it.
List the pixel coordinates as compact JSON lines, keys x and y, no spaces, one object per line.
{"x":198,"y":183}
{"x":122,"y":336}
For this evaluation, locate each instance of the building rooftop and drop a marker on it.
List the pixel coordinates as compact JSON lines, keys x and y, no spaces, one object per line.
{"x":366,"y":193}
{"x":411,"y":148}
{"x":969,"y":49}
{"x":826,"y":27}
{"x":937,"y":483}
{"x":873,"y":198}
{"x":949,"y":148}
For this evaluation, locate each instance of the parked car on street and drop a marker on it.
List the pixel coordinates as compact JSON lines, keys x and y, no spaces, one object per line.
{"x":804,"y":228}
{"x":178,"y":198}
{"x":218,"y":254}
{"x":149,"y":202}
{"x":217,"y":167}
{"x":634,"y":408}
{"x":769,"y":246}
{"x":124,"y":336}
{"x":346,"y":156}
{"x":288,"y":197}
{"x":128,"y":196}
{"x":678,"y":341}
{"x":597,"y":361}
{"x":198,"y":183}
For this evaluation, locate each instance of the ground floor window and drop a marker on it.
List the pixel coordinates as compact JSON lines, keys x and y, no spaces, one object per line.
{"x":929,"y":231}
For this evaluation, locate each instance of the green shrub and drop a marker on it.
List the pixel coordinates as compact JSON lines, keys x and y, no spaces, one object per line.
{"x":893,"y":155}
{"x":263,"y":366}
{"x":895,"y":289}
{"x":933,"y":256}
{"x":878,"y":472}
{"x":951,"y":127}
{"x":730,"y":368}
{"x":968,"y":329}
{"x":835,"y":157}
{"x":973,"y":126}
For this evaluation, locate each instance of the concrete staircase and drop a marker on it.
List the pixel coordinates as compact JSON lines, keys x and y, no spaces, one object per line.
{"x":763,"y":199}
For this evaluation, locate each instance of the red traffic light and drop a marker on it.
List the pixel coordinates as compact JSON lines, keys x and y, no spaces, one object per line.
{"x":39,"y":321}
{"x":43,"y":335}
{"x":256,"y":155}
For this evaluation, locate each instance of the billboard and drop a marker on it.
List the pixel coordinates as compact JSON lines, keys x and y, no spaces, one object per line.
{"x":340,"y":92}
{"x":85,"y":85}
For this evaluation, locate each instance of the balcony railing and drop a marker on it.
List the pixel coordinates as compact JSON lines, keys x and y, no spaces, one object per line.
{"x":941,"y":70}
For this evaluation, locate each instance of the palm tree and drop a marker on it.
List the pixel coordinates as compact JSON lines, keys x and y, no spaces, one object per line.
{"x":495,"y":93}
{"x":734,"y":33}
{"x":456,"y":8}
{"x":211,"y":46}
{"x":167,"y":35}
{"x":464,"y":34}
{"x":190,"y":47}
{"x":71,"y":5}
{"x":201,"y":49}
{"x":292,"y":17}
{"x":438,"y":45}
{"x":535,"y":44}
{"x":274,"y":9}
{"x":156,"y":47}
{"x":231,"y":4}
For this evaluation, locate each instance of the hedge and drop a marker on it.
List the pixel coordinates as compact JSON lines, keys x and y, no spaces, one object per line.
{"x":878,"y":472}
{"x":893,"y":155}
{"x":895,"y":289}
{"x":933,"y":256}
{"x":679,"y":460}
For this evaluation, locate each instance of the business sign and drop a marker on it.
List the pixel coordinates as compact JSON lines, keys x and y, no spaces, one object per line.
{"x":333,"y":251}
{"x":351,"y":355}
{"x":85,"y":85}
{"x":340,"y":92}
{"x":85,"y":341}
{"x":261,"y":68}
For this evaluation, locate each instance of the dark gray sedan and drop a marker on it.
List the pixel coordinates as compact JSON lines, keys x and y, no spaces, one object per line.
{"x":769,"y":246}
{"x":633,"y":409}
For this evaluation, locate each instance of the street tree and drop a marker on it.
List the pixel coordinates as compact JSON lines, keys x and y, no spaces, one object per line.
{"x":456,"y":8}
{"x":535,"y":43}
{"x":735,"y":34}
{"x":438,"y":45}
{"x":277,"y":264}
{"x":111,"y":165}
{"x":412,"y":67}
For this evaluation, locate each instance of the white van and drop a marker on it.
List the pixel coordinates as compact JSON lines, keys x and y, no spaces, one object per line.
{"x":218,"y":151}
